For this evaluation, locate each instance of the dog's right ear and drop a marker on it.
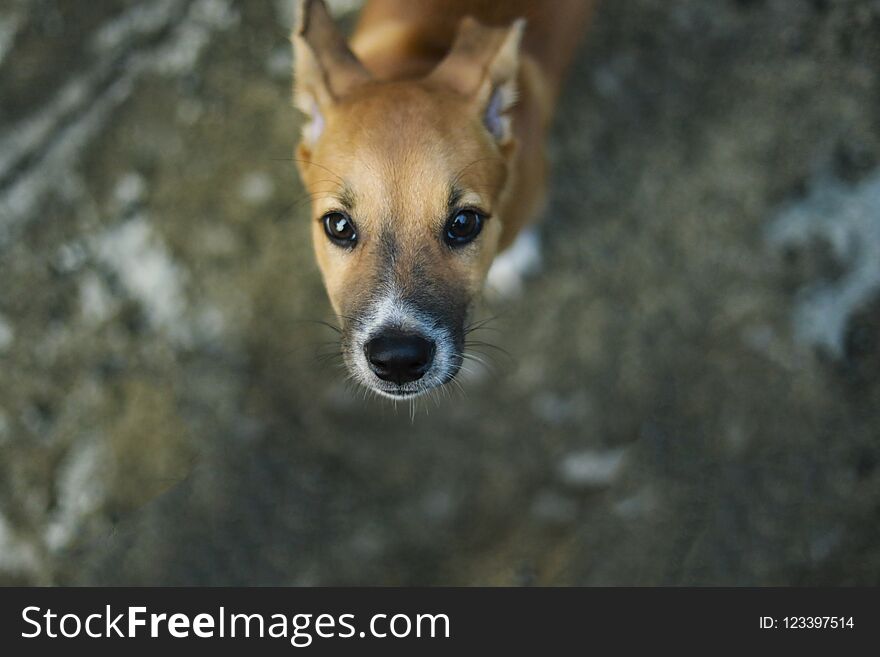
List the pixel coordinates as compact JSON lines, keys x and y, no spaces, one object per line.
{"x":324,"y":67}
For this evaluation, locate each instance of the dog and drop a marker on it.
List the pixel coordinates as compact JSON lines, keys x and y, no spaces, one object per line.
{"x":423,"y":154}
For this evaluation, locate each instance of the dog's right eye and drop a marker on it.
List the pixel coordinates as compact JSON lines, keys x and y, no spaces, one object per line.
{"x":340,"y":229}
{"x":463,"y":227}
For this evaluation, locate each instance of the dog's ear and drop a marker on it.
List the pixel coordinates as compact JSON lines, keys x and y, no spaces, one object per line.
{"x":324,"y":67}
{"x":483,"y":65}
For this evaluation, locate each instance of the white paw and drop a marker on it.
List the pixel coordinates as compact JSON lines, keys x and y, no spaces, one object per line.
{"x":511,"y":267}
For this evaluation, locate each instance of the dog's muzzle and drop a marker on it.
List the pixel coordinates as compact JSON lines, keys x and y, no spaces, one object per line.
{"x":400,"y":348}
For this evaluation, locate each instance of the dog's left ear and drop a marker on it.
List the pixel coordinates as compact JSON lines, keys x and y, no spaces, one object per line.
{"x":483,"y":65}
{"x":324,"y":67}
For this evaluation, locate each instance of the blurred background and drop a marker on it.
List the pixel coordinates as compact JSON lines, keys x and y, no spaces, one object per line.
{"x":693,"y":385}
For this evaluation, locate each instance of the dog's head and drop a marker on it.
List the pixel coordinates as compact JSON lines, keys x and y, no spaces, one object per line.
{"x":406,"y":179}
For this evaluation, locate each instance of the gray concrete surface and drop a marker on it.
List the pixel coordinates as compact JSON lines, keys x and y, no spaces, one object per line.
{"x":692,"y":389}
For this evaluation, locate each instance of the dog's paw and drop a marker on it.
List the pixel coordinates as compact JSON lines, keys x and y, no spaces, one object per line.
{"x":510,"y":269}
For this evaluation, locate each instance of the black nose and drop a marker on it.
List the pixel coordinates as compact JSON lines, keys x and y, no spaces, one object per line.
{"x":399,"y":357}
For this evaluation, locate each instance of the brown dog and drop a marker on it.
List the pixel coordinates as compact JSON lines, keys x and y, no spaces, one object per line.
{"x":423,"y":153}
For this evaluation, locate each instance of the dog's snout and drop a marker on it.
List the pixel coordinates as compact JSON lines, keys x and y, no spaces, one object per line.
{"x":399,"y":357}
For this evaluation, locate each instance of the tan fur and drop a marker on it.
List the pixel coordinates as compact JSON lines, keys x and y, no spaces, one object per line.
{"x":398,"y":119}
{"x":399,"y":171}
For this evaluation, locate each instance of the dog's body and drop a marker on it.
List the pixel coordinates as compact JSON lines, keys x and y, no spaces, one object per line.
{"x":424,"y":155}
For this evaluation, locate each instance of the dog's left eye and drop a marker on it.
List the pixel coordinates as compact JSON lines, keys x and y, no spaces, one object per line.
{"x":340,"y":229}
{"x":463,"y":227}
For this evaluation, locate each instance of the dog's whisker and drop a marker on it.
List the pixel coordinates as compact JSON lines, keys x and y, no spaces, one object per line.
{"x":481,"y":357}
{"x":312,"y":163}
{"x":484,"y":364}
{"x":481,"y":325}
{"x":484,"y":328}
{"x":489,"y":345}
{"x":474,"y":358}
{"x":480,"y":322}
{"x":318,"y":322}
{"x":493,"y":357}
{"x":460,"y":388}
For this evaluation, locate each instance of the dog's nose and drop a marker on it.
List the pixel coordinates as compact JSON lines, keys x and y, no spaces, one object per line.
{"x":399,"y":357}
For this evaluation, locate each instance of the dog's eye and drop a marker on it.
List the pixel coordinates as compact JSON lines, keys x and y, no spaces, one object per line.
{"x":463,"y":227}
{"x":340,"y":229}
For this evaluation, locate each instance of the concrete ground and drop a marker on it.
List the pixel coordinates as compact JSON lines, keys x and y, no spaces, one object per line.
{"x":693,"y":385}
